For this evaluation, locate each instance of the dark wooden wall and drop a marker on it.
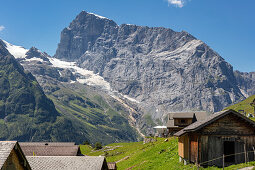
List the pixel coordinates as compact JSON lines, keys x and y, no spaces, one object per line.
{"x":208,"y":143}
{"x":228,"y":128}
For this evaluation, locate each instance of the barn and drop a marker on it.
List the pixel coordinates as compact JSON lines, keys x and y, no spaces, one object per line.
{"x":179,"y":120}
{"x":222,"y":139}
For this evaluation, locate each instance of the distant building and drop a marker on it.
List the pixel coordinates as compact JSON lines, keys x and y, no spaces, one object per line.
{"x":179,"y":120}
{"x":12,"y":157}
{"x":112,"y":165}
{"x":67,"y":162}
{"x":160,"y":131}
{"x":227,"y":133}
{"x":50,"y":148}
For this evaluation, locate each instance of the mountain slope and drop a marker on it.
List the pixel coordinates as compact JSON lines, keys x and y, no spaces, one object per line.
{"x":246,"y":82}
{"x":98,"y":115}
{"x":243,"y":105}
{"x":26,"y":114}
{"x":162,"y":70}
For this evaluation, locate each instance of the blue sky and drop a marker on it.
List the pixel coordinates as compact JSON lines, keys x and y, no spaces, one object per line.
{"x":225,"y":25}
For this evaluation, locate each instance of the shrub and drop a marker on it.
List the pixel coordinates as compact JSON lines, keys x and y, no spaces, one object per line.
{"x":98,"y":146}
{"x":86,"y":143}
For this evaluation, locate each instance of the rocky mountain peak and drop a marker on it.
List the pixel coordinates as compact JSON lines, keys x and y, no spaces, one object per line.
{"x":33,"y":52}
{"x":85,"y":29}
{"x":157,"y":66}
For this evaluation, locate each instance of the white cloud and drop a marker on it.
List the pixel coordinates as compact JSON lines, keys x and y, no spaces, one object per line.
{"x":177,"y":3}
{"x":2,"y":27}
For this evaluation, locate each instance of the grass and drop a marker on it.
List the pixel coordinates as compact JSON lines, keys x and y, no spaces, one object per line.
{"x":243,"y":105}
{"x":156,"y":155}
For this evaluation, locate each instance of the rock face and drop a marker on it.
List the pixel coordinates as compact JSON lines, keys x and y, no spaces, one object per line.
{"x":246,"y":82}
{"x":161,"y":69}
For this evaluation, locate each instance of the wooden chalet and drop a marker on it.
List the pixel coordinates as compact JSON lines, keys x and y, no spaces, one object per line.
{"x":12,"y":157}
{"x":226,"y":133}
{"x":178,"y":121}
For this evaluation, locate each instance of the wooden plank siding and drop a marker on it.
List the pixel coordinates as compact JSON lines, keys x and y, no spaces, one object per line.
{"x":207,"y":143}
{"x":13,"y":162}
{"x":178,"y":121}
{"x":228,"y":128}
{"x":193,"y":148}
{"x":181,"y":146}
{"x":228,"y":125}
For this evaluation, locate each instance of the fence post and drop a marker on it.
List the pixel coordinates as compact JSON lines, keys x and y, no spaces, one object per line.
{"x":253,"y":152}
{"x":223,"y":162}
{"x":245,"y":153}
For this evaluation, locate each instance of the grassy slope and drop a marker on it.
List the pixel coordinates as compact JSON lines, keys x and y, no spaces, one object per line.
{"x":156,"y":155}
{"x":102,"y":118}
{"x":243,"y":105}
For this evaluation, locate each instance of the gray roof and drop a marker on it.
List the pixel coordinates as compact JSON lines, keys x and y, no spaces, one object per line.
{"x":5,"y":150}
{"x":67,"y":162}
{"x":200,"y":124}
{"x":49,"y":148}
{"x":201,"y":115}
{"x":183,"y":115}
{"x":46,"y":143}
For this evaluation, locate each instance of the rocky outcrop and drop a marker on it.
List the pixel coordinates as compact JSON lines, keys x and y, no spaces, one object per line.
{"x":246,"y":82}
{"x":161,"y":69}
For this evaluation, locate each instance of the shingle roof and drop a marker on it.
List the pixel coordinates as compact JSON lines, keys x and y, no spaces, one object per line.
{"x":199,"y":124}
{"x":67,"y":162}
{"x":183,"y":115}
{"x":49,"y":148}
{"x":47,"y":143}
{"x":5,"y":150}
{"x":201,"y":115}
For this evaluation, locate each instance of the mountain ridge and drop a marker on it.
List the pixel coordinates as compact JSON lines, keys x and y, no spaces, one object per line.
{"x":160,"y":68}
{"x":154,"y":69}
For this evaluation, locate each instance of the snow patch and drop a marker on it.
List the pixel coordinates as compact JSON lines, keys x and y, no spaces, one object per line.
{"x":98,"y":16}
{"x":88,"y":77}
{"x":16,"y":51}
{"x":34,"y":59}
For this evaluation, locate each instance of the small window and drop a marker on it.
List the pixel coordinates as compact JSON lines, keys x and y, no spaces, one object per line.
{"x":183,"y":121}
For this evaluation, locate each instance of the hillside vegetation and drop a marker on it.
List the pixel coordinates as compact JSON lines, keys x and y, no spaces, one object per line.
{"x":100,"y":116}
{"x":160,"y":154}
{"x":26,"y":114}
{"x":243,"y":105}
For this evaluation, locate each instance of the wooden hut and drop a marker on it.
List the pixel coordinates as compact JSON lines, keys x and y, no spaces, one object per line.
{"x":179,"y":120}
{"x":226,"y":133}
{"x":12,"y":157}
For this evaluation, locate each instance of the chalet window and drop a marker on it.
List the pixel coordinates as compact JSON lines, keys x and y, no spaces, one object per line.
{"x":183,"y":121}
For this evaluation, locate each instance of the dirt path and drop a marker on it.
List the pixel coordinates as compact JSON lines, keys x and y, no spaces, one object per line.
{"x":125,"y":158}
{"x":247,"y":168}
